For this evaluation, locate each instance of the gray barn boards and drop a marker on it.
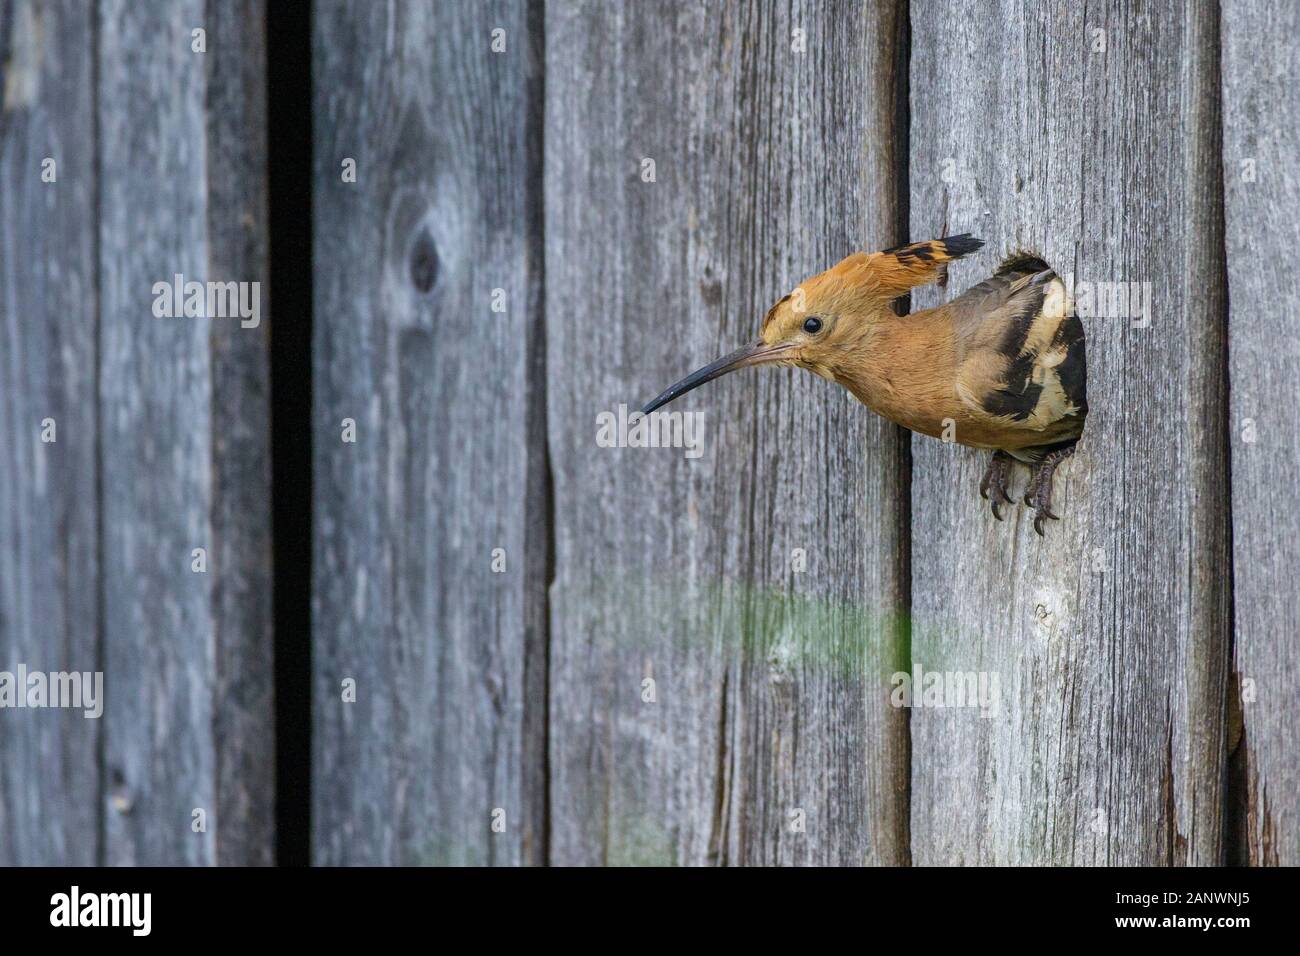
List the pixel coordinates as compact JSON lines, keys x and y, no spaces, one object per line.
{"x":161,"y":440}
{"x":1261,"y":195}
{"x":770,"y":738}
{"x":528,"y":648}
{"x":49,"y":560}
{"x":443,"y":480}
{"x":183,"y":414}
{"x":1112,"y":641}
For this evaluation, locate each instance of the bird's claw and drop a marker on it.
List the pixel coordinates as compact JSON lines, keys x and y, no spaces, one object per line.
{"x":996,"y":505}
{"x":993,"y":486}
{"x":995,"y":481}
{"x":1040,"y":518}
{"x":1039,"y":494}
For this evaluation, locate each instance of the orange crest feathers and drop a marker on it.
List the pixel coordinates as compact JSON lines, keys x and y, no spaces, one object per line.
{"x":880,"y":276}
{"x":905,"y":267}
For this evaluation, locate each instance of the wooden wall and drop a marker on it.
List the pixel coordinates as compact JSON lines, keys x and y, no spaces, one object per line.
{"x":161,"y":434}
{"x":1110,"y":637}
{"x":444,"y":477}
{"x":1262,"y":191}
{"x":682,"y":571}
{"x":49,"y":494}
{"x":530,"y":649}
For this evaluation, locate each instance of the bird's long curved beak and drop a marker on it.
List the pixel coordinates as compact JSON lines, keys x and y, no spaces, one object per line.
{"x":755,"y":353}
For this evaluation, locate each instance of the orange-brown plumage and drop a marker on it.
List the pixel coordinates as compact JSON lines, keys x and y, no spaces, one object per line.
{"x":1001,"y":367}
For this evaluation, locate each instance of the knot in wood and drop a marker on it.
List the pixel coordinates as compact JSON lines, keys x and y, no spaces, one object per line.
{"x":424,"y":262}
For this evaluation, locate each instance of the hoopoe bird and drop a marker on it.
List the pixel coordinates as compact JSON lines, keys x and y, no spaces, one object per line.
{"x":1001,"y":367}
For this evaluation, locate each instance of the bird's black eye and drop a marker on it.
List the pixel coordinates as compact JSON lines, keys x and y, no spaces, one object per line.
{"x":812,"y":325}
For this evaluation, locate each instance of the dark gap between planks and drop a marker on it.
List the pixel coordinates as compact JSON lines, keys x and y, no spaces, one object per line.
{"x":289,"y":176}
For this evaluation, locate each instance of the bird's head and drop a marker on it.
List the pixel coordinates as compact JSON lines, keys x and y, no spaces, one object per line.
{"x":823,"y":325}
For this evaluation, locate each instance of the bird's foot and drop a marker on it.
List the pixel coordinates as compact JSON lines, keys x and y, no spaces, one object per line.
{"x":1039,"y":493}
{"x":995,"y":482}
{"x":1035,"y":479}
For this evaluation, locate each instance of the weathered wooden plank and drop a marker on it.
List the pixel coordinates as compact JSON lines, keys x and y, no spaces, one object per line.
{"x":241,"y":433}
{"x":183,"y":439}
{"x":1261,"y":196}
{"x":49,"y":568}
{"x":441,"y":222}
{"x":771,"y":685}
{"x":1109,"y":638}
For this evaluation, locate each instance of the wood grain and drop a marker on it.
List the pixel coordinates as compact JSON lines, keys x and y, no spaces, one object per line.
{"x":1110,"y":637}
{"x":448,"y":656}
{"x":651,"y":678}
{"x":241,"y":432}
{"x":1262,"y":194}
{"x":183,"y":439}
{"x":49,"y":562}
{"x":770,"y":685}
